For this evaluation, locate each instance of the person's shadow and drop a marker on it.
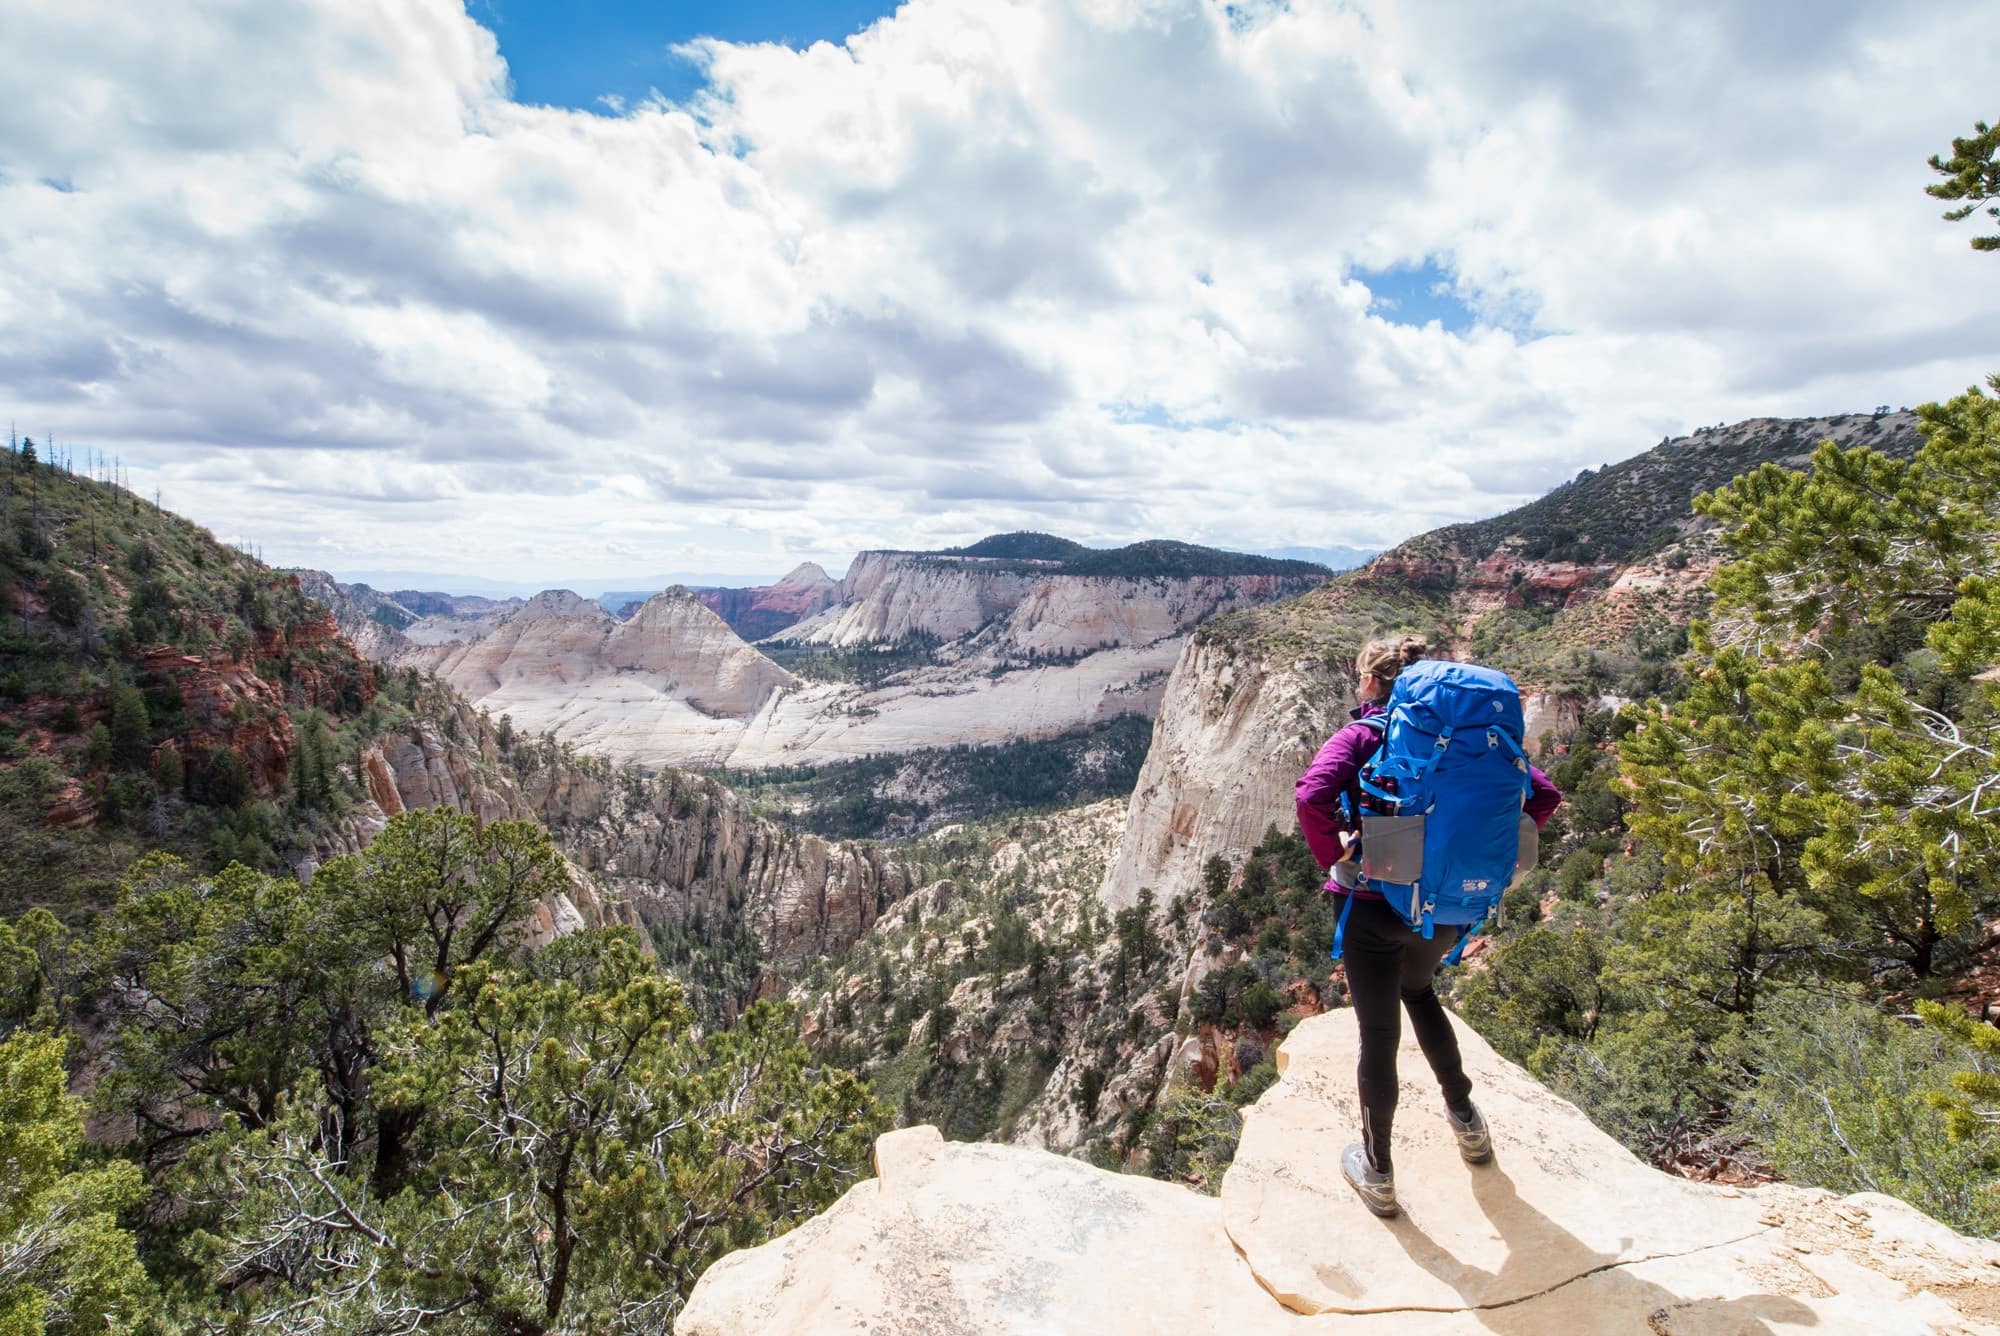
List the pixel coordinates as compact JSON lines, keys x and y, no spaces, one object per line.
{"x":1603,"y":1298}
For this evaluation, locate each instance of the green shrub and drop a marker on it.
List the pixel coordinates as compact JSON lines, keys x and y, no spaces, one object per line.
{"x":1843,"y":1100}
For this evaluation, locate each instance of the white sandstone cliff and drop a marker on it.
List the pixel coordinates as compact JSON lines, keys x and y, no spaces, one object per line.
{"x":893,"y":596}
{"x":1034,"y":656}
{"x":673,"y":648}
{"x":1235,"y":728}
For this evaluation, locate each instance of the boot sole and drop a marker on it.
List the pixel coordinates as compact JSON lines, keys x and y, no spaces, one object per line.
{"x":1389,"y":1212}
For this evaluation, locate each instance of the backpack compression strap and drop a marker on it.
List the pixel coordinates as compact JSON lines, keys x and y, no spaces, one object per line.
{"x":1421,"y":773}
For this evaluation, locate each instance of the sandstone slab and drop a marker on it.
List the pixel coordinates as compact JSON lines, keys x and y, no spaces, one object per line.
{"x":1564,"y":1233}
{"x":958,"y":1238}
{"x":1561,"y":1198}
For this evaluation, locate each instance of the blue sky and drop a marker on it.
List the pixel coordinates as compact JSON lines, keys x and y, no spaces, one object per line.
{"x":572,"y":53}
{"x":1416,"y":294}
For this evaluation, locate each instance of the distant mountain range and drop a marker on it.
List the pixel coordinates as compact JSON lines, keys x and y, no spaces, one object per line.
{"x":1333,"y":558}
{"x":608,"y":586}
{"x":1020,"y":635}
{"x":614,"y":592}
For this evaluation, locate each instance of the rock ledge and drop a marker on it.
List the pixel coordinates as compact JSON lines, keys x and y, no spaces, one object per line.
{"x":1564,"y":1232}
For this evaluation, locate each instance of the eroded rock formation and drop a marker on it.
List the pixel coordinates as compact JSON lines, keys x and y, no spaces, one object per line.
{"x":1236,"y":727}
{"x":1564,"y":1232}
{"x":1021,"y":652}
{"x":893,"y":596}
{"x":646,"y":848}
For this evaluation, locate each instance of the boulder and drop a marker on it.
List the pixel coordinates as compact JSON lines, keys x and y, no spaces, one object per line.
{"x":1564,"y":1231}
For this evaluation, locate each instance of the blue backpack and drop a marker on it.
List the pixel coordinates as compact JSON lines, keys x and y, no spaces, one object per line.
{"x":1447,"y":833}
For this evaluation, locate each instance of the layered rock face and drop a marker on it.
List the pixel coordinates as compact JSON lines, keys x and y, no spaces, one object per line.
{"x":560,"y":661}
{"x":1023,"y":651}
{"x":1069,"y":614}
{"x":694,"y":655}
{"x":1020,"y":606}
{"x":1564,"y":1231}
{"x":895,"y":596}
{"x":1235,"y":729}
{"x":230,"y":707}
{"x":769,"y":609}
{"x":646,"y":849}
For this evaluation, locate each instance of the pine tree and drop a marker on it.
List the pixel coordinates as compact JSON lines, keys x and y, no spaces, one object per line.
{"x":131,"y":726}
{"x":1972,"y":173}
{"x":1972,"y":1109}
{"x":66,"y":1264}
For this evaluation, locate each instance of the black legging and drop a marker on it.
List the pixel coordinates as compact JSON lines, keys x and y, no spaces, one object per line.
{"x":1387,"y":960}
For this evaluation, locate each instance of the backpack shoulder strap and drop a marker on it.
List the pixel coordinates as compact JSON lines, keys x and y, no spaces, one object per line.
{"x":1379,"y":725}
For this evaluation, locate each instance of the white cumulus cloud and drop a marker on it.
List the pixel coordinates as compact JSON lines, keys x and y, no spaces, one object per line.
{"x":1092,"y":266}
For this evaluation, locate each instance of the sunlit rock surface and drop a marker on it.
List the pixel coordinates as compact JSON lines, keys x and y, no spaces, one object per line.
{"x":1564,"y":1232}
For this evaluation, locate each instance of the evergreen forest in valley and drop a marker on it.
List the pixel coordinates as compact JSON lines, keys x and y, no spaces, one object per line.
{"x":264,"y":1070}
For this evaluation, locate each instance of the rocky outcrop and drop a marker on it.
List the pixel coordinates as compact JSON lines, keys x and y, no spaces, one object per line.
{"x":322,"y":669}
{"x":560,"y":659}
{"x":898,"y":596}
{"x":1234,"y":730}
{"x":1072,"y":614}
{"x":769,"y":609}
{"x":229,"y":707}
{"x":372,"y":622}
{"x":1564,"y":1232}
{"x":1403,"y":570}
{"x":695,"y":656}
{"x":647,"y":848}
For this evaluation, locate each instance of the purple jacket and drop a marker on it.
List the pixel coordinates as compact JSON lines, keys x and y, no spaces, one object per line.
{"x":1337,"y":770}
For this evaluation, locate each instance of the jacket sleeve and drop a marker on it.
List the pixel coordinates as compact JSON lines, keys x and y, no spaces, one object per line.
{"x":1543,"y":801}
{"x":1319,"y":788}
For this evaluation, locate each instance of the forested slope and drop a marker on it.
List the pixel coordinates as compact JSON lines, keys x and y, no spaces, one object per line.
{"x":293,"y":931}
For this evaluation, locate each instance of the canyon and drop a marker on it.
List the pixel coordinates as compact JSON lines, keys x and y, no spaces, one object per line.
{"x":646,"y":851}
{"x":911,"y":650}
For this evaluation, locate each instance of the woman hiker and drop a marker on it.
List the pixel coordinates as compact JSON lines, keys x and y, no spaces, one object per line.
{"x":1386,"y":960}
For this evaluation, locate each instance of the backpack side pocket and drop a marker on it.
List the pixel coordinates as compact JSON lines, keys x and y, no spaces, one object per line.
{"x":1392,"y":848}
{"x":1530,"y":849}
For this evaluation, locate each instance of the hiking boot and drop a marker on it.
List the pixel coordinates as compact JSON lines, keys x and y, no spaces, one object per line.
{"x":1475,"y":1143}
{"x":1376,"y":1189}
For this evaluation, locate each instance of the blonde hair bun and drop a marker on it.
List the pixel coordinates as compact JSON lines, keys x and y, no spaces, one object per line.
{"x":1383,"y":659}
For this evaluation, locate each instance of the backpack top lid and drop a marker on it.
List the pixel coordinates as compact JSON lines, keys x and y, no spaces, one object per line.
{"x":1433,"y":695}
